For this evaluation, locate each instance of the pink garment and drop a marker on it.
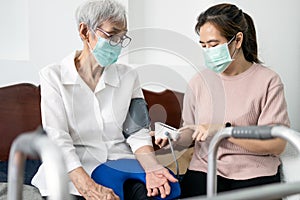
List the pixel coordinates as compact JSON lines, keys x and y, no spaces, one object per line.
{"x":254,"y":97}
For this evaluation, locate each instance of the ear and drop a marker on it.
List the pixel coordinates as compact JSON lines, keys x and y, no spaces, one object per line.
{"x":239,"y":39}
{"x":83,"y":31}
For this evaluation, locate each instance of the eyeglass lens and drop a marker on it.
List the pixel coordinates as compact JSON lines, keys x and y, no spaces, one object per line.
{"x":116,"y":39}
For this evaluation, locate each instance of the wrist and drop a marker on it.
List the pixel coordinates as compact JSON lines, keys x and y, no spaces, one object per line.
{"x":148,"y":161}
{"x":152,"y":168}
{"x":80,"y":178}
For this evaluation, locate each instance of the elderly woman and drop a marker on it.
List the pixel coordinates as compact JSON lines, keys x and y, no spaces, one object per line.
{"x":85,"y":100}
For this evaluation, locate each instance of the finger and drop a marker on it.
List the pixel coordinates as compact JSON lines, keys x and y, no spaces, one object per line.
{"x":117,"y":197}
{"x":170,"y":177}
{"x":158,"y":141}
{"x":195,"y":134}
{"x":162,"y":192}
{"x":154,"y":192}
{"x":152,"y":133}
{"x":109,"y":197}
{"x":96,"y":193}
{"x":164,"y":142}
{"x":94,"y":196}
{"x":149,"y":192}
{"x":204,"y":136}
{"x":102,"y":192}
{"x":99,"y":193}
{"x":199,"y":136}
{"x":113,"y":196}
{"x":167,"y":188}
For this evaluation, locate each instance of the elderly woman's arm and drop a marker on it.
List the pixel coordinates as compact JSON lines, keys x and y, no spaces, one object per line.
{"x":157,"y":176}
{"x":88,"y":188}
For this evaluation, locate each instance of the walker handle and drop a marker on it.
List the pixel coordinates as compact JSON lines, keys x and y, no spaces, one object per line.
{"x":252,"y":132}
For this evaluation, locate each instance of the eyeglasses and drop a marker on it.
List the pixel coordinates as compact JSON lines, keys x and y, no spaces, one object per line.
{"x":114,"y":40}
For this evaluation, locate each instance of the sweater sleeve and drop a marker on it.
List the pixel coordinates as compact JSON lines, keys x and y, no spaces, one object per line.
{"x":274,"y":107}
{"x":188,"y":113}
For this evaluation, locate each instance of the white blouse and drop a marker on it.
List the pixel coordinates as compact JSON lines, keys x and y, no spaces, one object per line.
{"x":87,"y":125}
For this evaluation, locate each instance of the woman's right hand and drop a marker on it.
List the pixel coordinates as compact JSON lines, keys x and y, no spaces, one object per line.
{"x":88,"y":188}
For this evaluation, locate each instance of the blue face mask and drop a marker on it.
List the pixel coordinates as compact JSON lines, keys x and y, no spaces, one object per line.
{"x":106,"y":54}
{"x":217,"y":58}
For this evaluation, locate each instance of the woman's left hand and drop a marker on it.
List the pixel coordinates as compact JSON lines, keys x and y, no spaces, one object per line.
{"x":161,"y":142}
{"x":157,"y":182}
{"x":202,"y":131}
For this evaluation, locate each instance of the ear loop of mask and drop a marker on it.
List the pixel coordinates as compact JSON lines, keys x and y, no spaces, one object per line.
{"x":89,"y":44}
{"x":235,"y":50}
{"x":97,"y":36}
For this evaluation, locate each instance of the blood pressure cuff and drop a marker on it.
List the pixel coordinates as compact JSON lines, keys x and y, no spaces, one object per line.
{"x":137,"y":117}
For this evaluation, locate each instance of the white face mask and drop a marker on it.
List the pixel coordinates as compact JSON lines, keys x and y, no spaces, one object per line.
{"x":218,"y":58}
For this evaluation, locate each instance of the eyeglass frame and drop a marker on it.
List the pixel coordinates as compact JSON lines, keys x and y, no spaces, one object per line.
{"x":121,"y":38}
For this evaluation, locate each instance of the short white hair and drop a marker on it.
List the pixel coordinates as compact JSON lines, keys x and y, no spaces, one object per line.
{"x":94,"y":12}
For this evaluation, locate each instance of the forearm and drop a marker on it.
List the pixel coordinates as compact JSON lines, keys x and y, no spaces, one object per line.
{"x":185,"y":139}
{"x":146,"y":157}
{"x":80,"y":179}
{"x":88,"y":188}
{"x":274,"y":146}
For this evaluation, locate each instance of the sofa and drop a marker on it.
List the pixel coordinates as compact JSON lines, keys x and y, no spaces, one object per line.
{"x":20,"y":112}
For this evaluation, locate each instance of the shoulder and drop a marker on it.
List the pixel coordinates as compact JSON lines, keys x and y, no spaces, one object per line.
{"x":124,"y":71}
{"x":51,"y":70}
{"x":262,"y":69}
{"x":60,"y":69}
{"x":267,"y":75}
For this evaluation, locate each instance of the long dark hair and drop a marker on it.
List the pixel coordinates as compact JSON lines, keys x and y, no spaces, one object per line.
{"x":230,"y":20}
